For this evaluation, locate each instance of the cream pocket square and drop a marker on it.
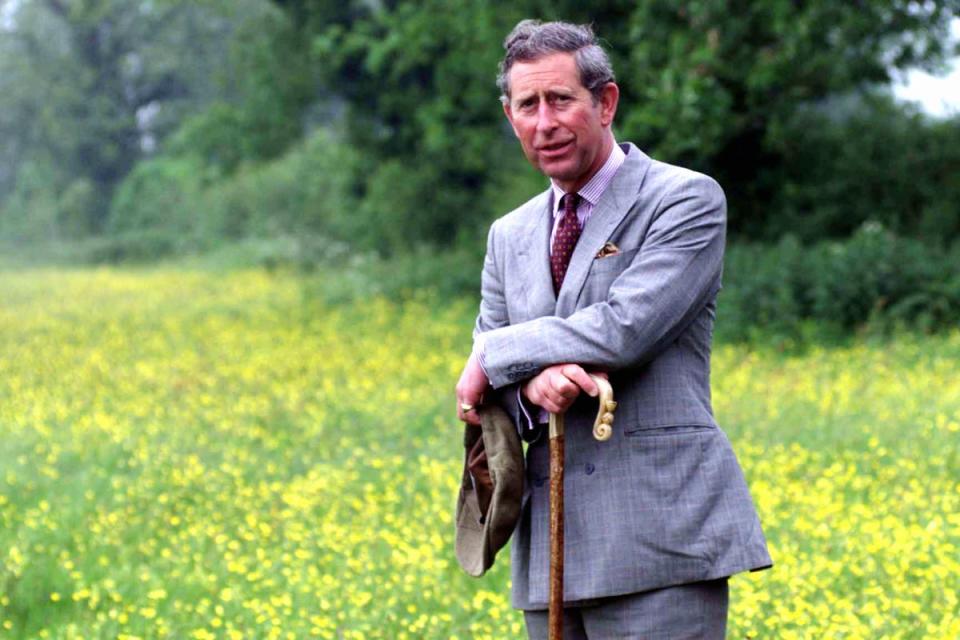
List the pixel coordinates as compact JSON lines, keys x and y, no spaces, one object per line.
{"x":609,"y":249}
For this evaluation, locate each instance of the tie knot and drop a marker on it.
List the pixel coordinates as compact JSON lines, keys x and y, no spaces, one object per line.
{"x":570,"y":202}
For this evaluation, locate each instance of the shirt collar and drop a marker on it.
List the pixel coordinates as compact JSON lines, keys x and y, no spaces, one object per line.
{"x":594,"y":187}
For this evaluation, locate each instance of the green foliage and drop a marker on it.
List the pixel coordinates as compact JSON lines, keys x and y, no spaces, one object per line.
{"x":307,"y":191}
{"x":304,"y":193}
{"x":259,"y":114}
{"x":707,"y":85}
{"x":137,"y":246}
{"x":76,"y":207}
{"x":763,"y":287}
{"x":30,"y":212}
{"x":787,"y":293}
{"x":867,"y":159}
{"x":423,"y":112}
{"x":215,"y":136}
{"x":87,"y":86}
{"x":162,"y":193}
{"x":875,"y":280}
{"x":310,"y":130}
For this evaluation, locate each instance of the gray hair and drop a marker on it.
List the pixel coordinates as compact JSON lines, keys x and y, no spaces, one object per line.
{"x":531,"y":40}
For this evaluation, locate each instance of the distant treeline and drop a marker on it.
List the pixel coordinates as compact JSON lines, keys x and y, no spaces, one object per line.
{"x":373,"y":128}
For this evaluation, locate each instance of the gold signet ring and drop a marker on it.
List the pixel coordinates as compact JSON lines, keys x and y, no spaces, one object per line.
{"x":466,"y":406}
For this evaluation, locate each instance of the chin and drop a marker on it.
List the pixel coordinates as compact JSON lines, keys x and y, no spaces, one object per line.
{"x":559,"y":173}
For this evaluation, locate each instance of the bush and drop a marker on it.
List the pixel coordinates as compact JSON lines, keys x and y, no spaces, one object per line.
{"x":307,"y":191}
{"x":875,"y":280}
{"x":161,"y":194}
{"x":304,"y":193}
{"x":872,"y":159}
{"x":147,"y":245}
{"x":29,"y":213}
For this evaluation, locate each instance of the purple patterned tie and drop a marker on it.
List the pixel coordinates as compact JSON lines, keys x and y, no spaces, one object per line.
{"x":568,"y":232}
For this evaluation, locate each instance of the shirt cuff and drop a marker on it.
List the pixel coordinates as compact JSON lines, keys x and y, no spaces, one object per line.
{"x":523,"y":408}
{"x":529,"y":429}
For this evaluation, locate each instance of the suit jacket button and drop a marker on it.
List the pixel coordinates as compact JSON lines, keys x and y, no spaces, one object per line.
{"x":589,"y":468}
{"x":538,"y":482}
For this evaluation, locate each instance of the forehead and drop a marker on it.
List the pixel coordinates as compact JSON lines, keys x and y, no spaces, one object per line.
{"x":558,"y":70}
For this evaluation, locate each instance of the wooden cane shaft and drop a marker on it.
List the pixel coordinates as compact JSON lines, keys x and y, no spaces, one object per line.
{"x":555,"y":619}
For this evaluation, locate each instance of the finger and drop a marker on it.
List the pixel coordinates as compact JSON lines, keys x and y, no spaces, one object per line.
{"x":559,"y":406}
{"x":561,"y":400}
{"x":467,"y":411}
{"x":552,"y":406}
{"x":470,"y":417}
{"x":544,"y":386}
{"x":539,"y":392}
{"x":562,"y":385}
{"x":533,"y":392}
{"x":581,"y":378}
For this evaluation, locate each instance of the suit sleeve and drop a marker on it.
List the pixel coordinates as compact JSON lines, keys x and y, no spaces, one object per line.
{"x":493,"y":315}
{"x":493,"y":304}
{"x":675,"y":272}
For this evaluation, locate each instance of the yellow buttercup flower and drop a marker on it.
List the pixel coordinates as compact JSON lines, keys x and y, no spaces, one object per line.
{"x":207,"y":455}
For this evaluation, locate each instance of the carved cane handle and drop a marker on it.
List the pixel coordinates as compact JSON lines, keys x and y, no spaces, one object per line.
{"x":603,"y":425}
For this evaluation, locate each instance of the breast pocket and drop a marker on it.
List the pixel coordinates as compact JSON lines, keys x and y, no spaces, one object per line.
{"x":603,"y":272}
{"x":615,"y":263}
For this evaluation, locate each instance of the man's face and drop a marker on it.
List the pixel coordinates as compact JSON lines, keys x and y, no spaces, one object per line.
{"x":563,"y":132}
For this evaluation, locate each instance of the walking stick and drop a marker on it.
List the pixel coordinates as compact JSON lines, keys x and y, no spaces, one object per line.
{"x":602,"y":430}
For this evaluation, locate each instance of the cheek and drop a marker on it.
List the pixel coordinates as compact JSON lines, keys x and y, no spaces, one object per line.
{"x":580,"y":126}
{"x":526,"y":132}
{"x":526,"y":138}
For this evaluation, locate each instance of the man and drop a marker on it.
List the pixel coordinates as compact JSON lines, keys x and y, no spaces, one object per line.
{"x":614,"y":269}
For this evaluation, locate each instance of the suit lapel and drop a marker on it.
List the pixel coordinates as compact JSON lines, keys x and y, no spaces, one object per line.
{"x":535,"y":257}
{"x":610,"y":211}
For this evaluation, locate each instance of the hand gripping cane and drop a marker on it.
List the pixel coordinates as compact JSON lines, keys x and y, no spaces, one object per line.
{"x":602,"y":430}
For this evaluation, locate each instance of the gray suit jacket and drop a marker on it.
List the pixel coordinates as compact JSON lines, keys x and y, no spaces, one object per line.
{"x":664,"y":502}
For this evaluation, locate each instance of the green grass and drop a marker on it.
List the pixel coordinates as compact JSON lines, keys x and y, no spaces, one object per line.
{"x":207,"y":453}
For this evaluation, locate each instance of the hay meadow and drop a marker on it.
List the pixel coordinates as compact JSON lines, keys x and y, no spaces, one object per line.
{"x":194,"y":454}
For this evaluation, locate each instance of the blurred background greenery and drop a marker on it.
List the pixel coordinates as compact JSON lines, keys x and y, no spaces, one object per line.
{"x":365,"y":137}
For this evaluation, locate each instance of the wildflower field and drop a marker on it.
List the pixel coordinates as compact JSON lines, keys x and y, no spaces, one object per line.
{"x":189,"y":454}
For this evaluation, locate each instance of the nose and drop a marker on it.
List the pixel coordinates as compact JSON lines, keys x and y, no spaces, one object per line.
{"x":546,"y":118}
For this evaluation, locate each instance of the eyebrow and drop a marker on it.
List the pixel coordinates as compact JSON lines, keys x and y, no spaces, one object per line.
{"x":520,"y":97}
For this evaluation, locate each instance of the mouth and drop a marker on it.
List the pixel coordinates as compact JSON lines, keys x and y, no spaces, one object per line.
{"x":554,"y":149}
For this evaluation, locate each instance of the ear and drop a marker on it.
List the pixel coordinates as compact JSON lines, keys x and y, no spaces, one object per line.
{"x":608,"y":103}
{"x":509,"y":114}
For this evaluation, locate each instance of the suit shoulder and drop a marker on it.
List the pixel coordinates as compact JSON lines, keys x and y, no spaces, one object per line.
{"x":524,"y":215}
{"x":676,"y":181}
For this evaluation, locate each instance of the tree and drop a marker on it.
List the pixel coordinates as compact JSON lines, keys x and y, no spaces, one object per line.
{"x":708,"y":84}
{"x":91,"y":86}
{"x":714,"y":84}
{"x":422,"y":110}
{"x":269,"y":88}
